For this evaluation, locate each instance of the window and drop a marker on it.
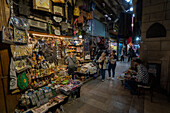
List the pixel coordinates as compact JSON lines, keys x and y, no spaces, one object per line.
{"x":156,"y":30}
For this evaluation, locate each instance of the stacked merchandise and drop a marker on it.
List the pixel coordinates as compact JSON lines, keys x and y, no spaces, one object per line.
{"x":44,"y":98}
{"x":86,"y":70}
{"x":35,"y":68}
{"x":39,"y":76}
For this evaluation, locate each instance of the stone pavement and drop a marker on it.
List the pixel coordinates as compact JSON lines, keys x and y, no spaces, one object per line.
{"x":110,"y":97}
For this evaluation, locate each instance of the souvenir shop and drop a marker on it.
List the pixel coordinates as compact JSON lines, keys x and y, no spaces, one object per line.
{"x":39,"y":37}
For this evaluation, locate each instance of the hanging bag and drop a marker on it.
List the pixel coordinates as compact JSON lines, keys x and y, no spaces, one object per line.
{"x":57,"y":10}
{"x":81,"y":18}
{"x":58,"y":1}
{"x":20,"y":36}
{"x":7,"y":35}
{"x":76,"y":11}
{"x":89,"y":16}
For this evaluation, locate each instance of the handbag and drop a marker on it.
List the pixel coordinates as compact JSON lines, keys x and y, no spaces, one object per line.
{"x":7,"y":35}
{"x":20,"y":36}
{"x":64,"y":26}
{"x":81,"y":18}
{"x":58,"y":1}
{"x":58,"y":10}
{"x":89,"y":16}
{"x":44,"y":5}
{"x":76,"y":11}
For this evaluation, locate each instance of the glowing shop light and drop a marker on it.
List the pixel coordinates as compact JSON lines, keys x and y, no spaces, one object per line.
{"x":127,"y":1}
{"x":131,"y":9}
{"x":80,"y":36}
{"x":137,"y":39}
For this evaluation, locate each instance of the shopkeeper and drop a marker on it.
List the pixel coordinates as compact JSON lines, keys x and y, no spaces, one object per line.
{"x":71,"y":61}
{"x":141,"y":78}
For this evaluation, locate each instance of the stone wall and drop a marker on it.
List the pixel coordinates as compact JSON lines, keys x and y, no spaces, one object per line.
{"x":157,"y":50}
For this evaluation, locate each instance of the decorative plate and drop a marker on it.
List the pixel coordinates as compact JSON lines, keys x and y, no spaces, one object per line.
{"x":22,"y":81}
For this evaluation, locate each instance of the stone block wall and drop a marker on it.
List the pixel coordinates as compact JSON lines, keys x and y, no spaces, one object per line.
{"x":157,"y":50}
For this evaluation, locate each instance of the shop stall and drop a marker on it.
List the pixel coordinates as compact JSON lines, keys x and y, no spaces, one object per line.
{"x":40,"y":37}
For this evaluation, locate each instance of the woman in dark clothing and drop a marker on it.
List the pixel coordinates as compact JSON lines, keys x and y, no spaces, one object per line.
{"x":112,"y":64}
{"x":131,"y":53}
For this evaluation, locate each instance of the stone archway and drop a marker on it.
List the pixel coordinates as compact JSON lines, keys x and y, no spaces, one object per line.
{"x":156,"y":30}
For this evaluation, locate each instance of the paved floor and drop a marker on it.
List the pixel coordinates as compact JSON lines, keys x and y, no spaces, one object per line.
{"x":111,"y":97}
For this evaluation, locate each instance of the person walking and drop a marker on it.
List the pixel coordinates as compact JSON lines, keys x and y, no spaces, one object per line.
{"x":122,"y":55}
{"x":112,"y":64}
{"x":71,"y":61}
{"x":130,"y":53}
{"x":102,"y":65}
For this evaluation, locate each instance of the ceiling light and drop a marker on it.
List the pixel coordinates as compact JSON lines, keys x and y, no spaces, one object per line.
{"x":109,"y":18}
{"x":106,"y":15}
{"x":137,"y":38}
{"x":131,"y":9}
{"x":133,"y":15}
{"x":127,"y":1}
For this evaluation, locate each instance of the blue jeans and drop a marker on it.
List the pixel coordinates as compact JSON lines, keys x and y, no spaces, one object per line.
{"x":102,"y":73}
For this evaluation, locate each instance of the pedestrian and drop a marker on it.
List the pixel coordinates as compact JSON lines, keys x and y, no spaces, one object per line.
{"x":130,"y":54}
{"x":112,"y":64}
{"x":71,"y":61}
{"x":122,"y":55}
{"x":102,"y":65}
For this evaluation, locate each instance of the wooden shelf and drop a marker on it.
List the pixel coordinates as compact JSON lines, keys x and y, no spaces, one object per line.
{"x":76,"y":45}
{"x":43,"y":76}
{"x":48,"y":35}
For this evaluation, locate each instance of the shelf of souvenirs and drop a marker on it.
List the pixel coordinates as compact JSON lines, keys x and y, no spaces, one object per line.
{"x":76,"y":45}
{"x":46,"y":97}
{"x":41,"y":76}
{"x":75,"y":52}
{"x":39,"y":34}
{"x":45,"y":107}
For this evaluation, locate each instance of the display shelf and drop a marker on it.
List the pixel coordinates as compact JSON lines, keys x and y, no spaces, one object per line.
{"x":46,"y":106}
{"x":43,"y":76}
{"x":72,"y":48}
{"x":39,"y":86}
{"x":21,"y":70}
{"x":76,"y":45}
{"x":75,"y":52}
